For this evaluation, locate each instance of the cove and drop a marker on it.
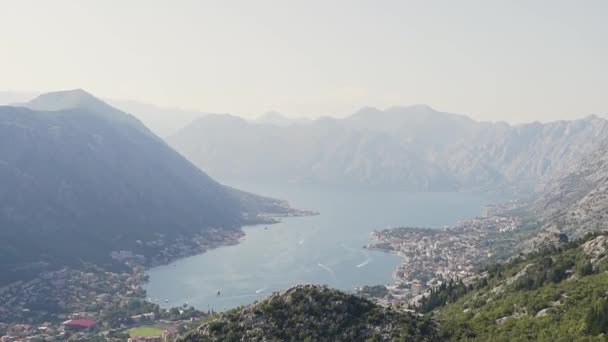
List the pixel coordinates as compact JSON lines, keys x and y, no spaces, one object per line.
{"x":323,"y":249}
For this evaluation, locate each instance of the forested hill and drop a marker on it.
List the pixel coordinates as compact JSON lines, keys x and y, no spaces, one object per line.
{"x":314,"y":313}
{"x":558,"y":293}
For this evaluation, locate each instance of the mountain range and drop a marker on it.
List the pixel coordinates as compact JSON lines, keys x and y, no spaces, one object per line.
{"x":412,"y":148}
{"x":408,"y":148}
{"x":555,"y":291}
{"x":82,"y":179}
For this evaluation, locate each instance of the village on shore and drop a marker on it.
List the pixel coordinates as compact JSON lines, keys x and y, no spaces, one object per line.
{"x":91,"y":303}
{"x":434,"y":256}
{"x":86,"y":306}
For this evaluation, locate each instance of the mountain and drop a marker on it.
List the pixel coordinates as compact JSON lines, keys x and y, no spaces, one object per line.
{"x":278,"y":119}
{"x":575,"y":202}
{"x":323,"y":151}
{"x":163,"y":121}
{"x":530,"y":154}
{"x":406,"y":148}
{"x":81,"y":179}
{"x":314,"y":313}
{"x":557,"y":293}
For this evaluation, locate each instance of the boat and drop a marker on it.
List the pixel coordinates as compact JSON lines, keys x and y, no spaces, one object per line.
{"x":218,"y":292}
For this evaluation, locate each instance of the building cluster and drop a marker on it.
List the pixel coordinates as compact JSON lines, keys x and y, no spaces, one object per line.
{"x":64,"y":303}
{"x":46,"y":330}
{"x":50,"y":295}
{"x":51,"y":305}
{"x":433,"y":256}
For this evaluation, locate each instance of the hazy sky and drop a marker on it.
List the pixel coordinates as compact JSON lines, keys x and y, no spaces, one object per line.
{"x":494,"y":60}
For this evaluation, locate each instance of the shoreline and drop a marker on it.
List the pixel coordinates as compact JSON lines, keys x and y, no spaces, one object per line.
{"x":232,"y":240}
{"x":107,"y":287}
{"x":229,"y":240}
{"x":431,"y":257}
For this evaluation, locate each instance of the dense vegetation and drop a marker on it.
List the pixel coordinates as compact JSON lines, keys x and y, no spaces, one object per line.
{"x":556,"y":293}
{"x":315,"y":313}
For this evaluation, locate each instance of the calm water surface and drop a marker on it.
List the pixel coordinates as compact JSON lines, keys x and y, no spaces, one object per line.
{"x":325,"y":249}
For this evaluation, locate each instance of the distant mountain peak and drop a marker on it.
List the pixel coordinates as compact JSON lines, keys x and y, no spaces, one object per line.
{"x":415,"y":107}
{"x":84,"y":102}
{"x":279,"y":119}
{"x":222,"y":117}
{"x":366,"y":110}
{"x":66,"y":99}
{"x":272,"y":114}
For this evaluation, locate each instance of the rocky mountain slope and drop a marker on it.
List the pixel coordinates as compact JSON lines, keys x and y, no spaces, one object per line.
{"x":314,"y":313}
{"x":575,"y":202}
{"x":81,"y":179}
{"x":557,"y":293}
{"x":408,"y":148}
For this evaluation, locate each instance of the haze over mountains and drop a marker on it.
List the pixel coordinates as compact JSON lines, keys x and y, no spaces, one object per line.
{"x":412,"y":148}
{"x":82,"y":179}
{"x":162,"y":121}
{"x":558,"y":290}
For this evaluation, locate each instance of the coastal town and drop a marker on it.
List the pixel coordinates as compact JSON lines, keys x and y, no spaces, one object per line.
{"x":71,"y":304}
{"x":89,"y":302}
{"x":434,"y":256}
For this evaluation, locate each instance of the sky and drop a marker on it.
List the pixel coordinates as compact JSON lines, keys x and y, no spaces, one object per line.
{"x":516,"y":61}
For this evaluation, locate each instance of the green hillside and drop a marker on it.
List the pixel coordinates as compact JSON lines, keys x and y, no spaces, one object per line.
{"x":559,"y":293}
{"x":315,"y":313}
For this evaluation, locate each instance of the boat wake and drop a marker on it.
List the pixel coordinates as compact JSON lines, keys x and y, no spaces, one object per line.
{"x":260,"y":290}
{"x":364,"y":263}
{"x":329,"y":270}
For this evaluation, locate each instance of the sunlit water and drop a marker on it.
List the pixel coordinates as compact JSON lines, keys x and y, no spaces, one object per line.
{"x":324,"y":249}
